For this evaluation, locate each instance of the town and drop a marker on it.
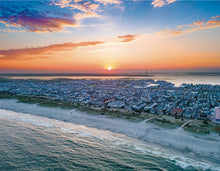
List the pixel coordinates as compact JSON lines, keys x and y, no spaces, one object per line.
{"x":138,"y":95}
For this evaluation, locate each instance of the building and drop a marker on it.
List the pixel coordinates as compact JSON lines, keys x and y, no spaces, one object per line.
{"x":217,"y":115}
{"x":177,"y":112}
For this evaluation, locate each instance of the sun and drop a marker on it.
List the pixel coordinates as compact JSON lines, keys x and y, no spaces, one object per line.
{"x":109,"y":68}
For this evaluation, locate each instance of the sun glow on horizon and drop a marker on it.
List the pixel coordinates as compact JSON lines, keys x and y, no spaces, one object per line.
{"x":109,"y":68}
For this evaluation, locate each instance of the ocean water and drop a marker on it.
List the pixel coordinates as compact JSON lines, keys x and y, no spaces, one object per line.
{"x":29,"y":142}
{"x":175,"y":78}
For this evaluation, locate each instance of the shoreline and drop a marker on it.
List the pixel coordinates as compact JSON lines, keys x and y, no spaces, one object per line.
{"x":206,"y":146}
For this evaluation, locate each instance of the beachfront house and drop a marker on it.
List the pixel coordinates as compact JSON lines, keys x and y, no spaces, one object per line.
{"x":216,"y":120}
{"x":177,"y":112}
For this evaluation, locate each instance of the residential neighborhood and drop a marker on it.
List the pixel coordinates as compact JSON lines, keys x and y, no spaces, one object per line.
{"x":199,"y":101}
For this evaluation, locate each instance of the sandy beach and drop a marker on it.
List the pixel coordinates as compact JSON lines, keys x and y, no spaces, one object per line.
{"x":204,"y":147}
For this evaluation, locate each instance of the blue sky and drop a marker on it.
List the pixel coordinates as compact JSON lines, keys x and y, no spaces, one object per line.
{"x":26,"y":25}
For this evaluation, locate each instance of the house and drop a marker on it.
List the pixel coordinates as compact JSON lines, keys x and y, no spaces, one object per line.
{"x":138,"y":107}
{"x":187,"y":114}
{"x":116,"y":104}
{"x":177,"y":112}
{"x":147,"y":108}
{"x":216,"y":120}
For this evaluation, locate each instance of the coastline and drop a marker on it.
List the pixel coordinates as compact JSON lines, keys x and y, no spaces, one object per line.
{"x":167,"y":121}
{"x":206,"y":146}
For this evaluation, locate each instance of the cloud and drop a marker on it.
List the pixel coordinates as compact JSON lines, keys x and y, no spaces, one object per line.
{"x":51,"y":16}
{"x":11,"y":31}
{"x":160,"y":3}
{"x":81,"y":5}
{"x":87,"y":9}
{"x":105,"y":2}
{"x":66,"y":3}
{"x":127,"y":38}
{"x":195,"y":26}
{"x":33,"y":20}
{"x":27,"y":53}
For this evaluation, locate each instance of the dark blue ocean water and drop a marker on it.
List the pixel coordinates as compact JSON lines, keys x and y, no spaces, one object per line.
{"x":29,"y":142}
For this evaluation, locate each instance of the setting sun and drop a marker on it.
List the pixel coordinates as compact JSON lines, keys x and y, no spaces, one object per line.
{"x":109,"y":68}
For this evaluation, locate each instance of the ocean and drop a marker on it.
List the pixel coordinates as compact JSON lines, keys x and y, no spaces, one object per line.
{"x":175,"y":78}
{"x":31,"y":142}
{"x":36,"y":143}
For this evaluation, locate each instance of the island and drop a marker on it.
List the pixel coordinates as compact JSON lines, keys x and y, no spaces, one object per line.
{"x":195,"y":108}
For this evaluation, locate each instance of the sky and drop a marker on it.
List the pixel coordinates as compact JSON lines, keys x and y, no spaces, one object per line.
{"x":96,"y":35}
